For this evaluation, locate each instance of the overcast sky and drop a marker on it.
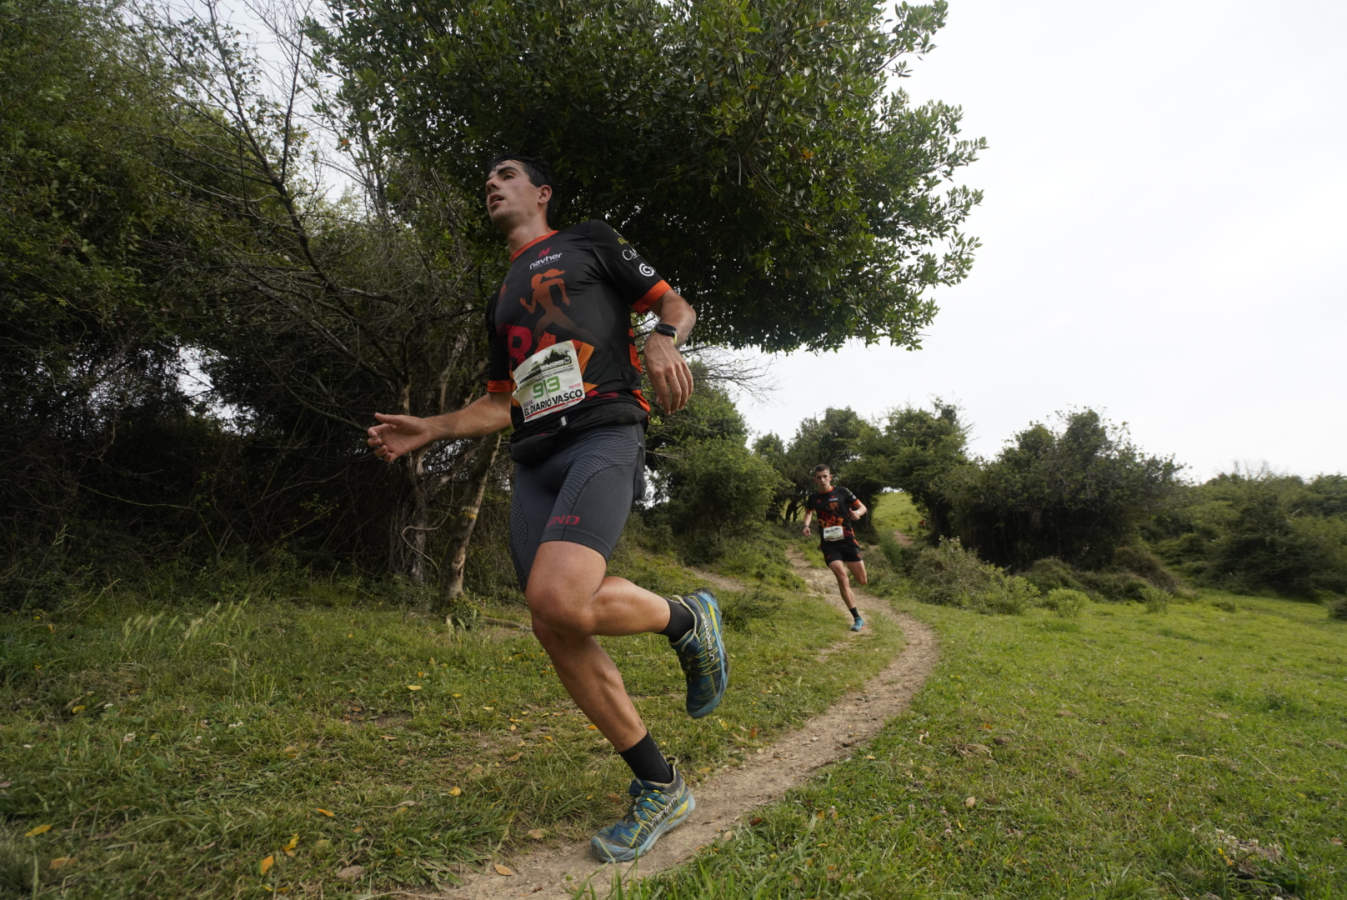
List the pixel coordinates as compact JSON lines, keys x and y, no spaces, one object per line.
{"x":1163,"y":235}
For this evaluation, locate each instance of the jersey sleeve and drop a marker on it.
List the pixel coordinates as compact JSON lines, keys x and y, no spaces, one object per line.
{"x":636,"y":280}
{"x":850,"y":499}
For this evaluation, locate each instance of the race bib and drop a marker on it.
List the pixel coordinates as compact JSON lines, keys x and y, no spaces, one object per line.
{"x":549,"y":381}
{"x":832,"y":532}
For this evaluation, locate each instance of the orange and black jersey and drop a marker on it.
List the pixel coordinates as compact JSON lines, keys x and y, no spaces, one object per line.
{"x":580,"y":285}
{"x":831,"y":510}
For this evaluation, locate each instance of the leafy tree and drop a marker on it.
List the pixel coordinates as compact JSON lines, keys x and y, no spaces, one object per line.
{"x":710,"y":413}
{"x":712,"y":485}
{"x":754,"y":151}
{"x":919,"y":451}
{"x":1078,"y":495}
{"x":771,"y":450}
{"x":88,"y":349}
{"x":1259,"y":531}
{"x":323,"y":312}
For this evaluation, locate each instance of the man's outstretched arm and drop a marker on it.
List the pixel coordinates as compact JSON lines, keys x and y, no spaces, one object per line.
{"x":397,"y":435}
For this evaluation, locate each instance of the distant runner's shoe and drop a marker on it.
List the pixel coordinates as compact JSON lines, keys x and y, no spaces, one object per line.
{"x":655,"y":808}
{"x":858,"y":624}
{"x":701,"y":652}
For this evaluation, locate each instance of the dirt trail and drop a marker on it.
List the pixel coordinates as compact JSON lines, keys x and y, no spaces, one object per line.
{"x":725,"y":799}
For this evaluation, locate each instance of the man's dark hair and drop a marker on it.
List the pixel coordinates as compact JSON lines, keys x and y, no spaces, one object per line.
{"x":822,"y":467}
{"x":538,"y":171}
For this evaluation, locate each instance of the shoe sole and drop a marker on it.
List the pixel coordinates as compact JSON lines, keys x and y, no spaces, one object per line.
{"x":627,"y":854}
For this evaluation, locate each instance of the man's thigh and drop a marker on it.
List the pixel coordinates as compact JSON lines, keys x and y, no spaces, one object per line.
{"x":581,"y":497}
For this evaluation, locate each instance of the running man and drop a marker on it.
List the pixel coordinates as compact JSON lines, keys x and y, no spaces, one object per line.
{"x":563,"y":371}
{"x":837,"y":508}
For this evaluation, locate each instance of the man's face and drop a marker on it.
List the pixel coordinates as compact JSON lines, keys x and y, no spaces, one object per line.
{"x":510,"y":195}
{"x":823,"y":482}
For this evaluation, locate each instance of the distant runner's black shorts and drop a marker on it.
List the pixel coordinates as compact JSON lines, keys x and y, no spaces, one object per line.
{"x":844,"y":550}
{"x":582,"y":494}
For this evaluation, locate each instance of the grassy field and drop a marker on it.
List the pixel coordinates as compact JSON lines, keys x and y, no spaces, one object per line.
{"x":316,"y":741}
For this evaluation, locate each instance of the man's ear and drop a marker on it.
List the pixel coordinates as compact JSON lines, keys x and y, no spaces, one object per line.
{"x":544,"y":194}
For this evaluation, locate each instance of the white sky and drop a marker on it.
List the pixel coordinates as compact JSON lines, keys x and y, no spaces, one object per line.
{"x":1162,"y":227}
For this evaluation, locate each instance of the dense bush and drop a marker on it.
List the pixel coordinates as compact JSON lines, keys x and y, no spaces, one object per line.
{"x":1078,"y":495}
{"x":713,"y":489}
{"x":1065,"y":601}
{"x":1135,"y":576}
{"x":949,"y":575}
{"x":1259,"y":532}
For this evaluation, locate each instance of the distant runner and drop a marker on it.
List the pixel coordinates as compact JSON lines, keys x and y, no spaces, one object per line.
{"x":837,"y":508}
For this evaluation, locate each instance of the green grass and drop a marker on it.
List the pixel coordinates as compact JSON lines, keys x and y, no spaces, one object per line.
{"x":157,"y":750}
{"x":1115,"y":753}
{"x":895,"y":511}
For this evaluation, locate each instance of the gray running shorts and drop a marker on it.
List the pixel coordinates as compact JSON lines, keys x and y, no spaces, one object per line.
{"x":582,"y":493}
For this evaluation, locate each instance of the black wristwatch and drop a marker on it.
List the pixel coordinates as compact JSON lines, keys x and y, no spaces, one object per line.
{"x":667,"y":330}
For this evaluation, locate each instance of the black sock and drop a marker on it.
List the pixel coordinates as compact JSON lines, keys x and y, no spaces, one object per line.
{"x":680,"y":621}
{"x":646,"y":762}
{"x":854,"y":613}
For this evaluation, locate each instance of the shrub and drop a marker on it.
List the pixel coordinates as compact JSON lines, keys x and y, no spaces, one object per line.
{"x":1156,"y":600}
{"x":949,"y":575}
{"x":1339,"y":610}
{"x":902,"y":557}
{"x":1066,"y":602}
{"x":1138,"y":560}
{"x":1051,"y":573}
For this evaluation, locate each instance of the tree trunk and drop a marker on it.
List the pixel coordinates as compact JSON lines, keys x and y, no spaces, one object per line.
{"x":482,"y":464}
{"x":409,"y":525}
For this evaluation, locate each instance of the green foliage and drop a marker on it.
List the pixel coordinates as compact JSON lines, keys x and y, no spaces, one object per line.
{"x":715,"y":488}
{"x":711,"y":485}
{"x":1115,"y":583}
{"x":88,"y":346}
{"x":919,"y":451}
{"x":1258,"y":531}
{"x":1050,"y":573}
{"x":1139,"y":560}
{"x":949,"y":575}
{"x":1077,"y":495}
{"x":1066,"y":602}
{"x":710,"y":413}
{"x":750,"y":150}
{"x":1338,"y":610}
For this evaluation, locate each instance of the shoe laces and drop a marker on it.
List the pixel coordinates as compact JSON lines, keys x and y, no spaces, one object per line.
{"x":646,"y":803}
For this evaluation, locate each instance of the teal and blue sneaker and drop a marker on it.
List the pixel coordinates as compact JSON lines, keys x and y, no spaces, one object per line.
{"x":655,"y":808}
{"x":858,"y":624}
{"x":701,"y":652}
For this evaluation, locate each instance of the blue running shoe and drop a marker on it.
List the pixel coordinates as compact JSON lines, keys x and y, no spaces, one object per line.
{"x":701,"y":652}
{"x":655,"y":808}
{"x":858,"y":624}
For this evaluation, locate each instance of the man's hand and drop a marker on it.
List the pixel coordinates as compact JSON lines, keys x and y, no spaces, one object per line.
{"x":396,"y":435}
{"x":805,"y":530}
{"x":669,"y":373}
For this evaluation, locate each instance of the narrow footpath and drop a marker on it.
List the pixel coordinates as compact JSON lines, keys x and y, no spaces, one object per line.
{"x":725,"y":800}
